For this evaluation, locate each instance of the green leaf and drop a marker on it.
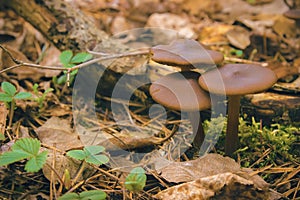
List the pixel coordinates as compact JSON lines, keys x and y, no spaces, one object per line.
{"x":35,"y":88}
{"x":5,"y":97}
{"x":74,"y":72}
{"x":65,"y":57}
{"x":136,"y":180}
{"x":81,"y":57}
{"x":97,"y":159}
{"x":62,"y":79}
{"x":10,"y":157}
{"x":92,"y":157}
{"x":69,"y":65}
{"x":77,"y":154}
{"x":8,"y":88}
{"x":48,"y":90}
{"x":36,"y":163}
{"x":92,"y":150}
{"x":2,"y":137}
{"x":27,"y":146}
{"x":69,"y":196}
{"x":22,"y":95}
{"x":92,"y":195}
{"x":86,"y":195}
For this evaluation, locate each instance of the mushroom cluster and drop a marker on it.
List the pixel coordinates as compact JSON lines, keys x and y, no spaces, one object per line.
{"x":180,"y":90}
{"x":189,"y":91}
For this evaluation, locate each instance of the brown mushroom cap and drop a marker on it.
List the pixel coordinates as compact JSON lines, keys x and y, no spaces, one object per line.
{"x":292,"y":14}
{"x":180,"y":91}
{"x":185,"y":53}
{"x":238,"y":79}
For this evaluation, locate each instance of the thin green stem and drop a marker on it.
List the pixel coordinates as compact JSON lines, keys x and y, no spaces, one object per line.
{"x":11,"y":113}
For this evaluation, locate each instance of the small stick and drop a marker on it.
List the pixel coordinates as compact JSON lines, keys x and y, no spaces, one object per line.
{"x":85,"y":64}
{"x":232,"y":59}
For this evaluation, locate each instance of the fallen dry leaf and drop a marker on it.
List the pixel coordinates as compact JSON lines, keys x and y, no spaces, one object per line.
{"x":208,"y":165}
{"x":197,"y":7}
{"x":239,"y":37}
{"x":215,"y":33}
{"x":285,"y":27}
{"x":60,"y":164}
{"x":224,"y":186}
{"x":21,"y":72}
{"x":172,"y":21}
{"x":58,"y":133}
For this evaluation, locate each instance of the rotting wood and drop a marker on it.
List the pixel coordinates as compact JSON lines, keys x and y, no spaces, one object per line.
{"x":272,"y":107}
{"x":64,"y":25}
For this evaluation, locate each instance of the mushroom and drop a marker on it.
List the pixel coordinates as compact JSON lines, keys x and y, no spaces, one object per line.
{"x":293,"y":14}
{"x":186,"y":54}
{"x":181,"y":91}
{"x":238,"y":80}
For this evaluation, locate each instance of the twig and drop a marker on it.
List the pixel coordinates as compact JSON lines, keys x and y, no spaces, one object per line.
{"x":103,"y":58}
{"x":9,"y":54}
{"x":232,"y":59}
{"x":69,"y":70}
{"x":57,"y":175}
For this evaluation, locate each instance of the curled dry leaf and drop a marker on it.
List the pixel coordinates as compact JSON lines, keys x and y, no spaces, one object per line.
{"x":224,"y":186}
{"x":239,"y":37}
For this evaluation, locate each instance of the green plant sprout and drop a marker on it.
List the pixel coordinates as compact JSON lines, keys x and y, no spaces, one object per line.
{"x":236,"y":52}
{"x":9,"y":96}
{"x":136,"y":180}
{"x":86,"y":195}
{"x":90,"y":154}
{"x":69,"y":60}
{"x":2,"y":137}
{"x":40,"y":98}
{"x":25,"y":148}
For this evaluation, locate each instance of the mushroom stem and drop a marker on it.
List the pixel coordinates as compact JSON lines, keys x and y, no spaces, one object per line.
{"x":231,"y":140}
{"x":197,"y":129}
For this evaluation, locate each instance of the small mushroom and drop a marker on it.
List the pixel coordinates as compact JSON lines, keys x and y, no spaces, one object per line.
{"x":238,"y":79}
{"x":186,"y":54}
{"x":293,"y":14}
{"x":181,"y":91}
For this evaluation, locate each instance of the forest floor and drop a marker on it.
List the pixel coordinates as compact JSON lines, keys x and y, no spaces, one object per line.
{"x":267,"y":162}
